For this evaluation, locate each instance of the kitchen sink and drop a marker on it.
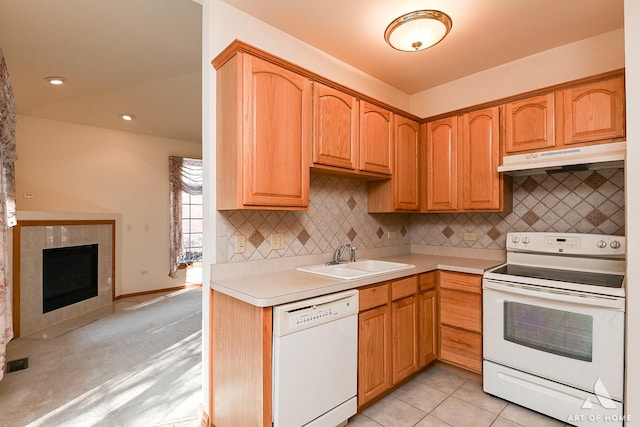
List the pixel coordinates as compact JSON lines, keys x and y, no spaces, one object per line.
{"x":355,"y":270}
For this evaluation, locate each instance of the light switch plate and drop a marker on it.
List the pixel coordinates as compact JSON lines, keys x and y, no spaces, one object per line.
{"x":470,"y":236}
{"x":277,"y":241}
{"x":241,"y":243}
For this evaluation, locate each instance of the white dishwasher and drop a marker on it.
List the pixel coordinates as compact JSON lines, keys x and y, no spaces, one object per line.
{"x":315,"y":361}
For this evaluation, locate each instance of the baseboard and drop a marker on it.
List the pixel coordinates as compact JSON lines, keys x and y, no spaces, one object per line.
{"x":157,"y":291}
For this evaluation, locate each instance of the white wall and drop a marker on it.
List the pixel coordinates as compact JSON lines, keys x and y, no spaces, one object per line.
{"x":83,"y":169}
{"x":209,"y":192}
{"x":632,"y":39}
{"x":569,"y":62}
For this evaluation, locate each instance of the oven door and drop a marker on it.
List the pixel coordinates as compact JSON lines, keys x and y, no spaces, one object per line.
{"x":567,"y":337}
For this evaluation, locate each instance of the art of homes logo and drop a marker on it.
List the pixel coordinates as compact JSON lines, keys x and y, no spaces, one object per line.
{"x":603,"y":396}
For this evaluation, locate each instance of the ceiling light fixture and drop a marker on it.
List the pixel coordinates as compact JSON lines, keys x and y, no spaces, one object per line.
{"x":418,"y":30}
{"x":55,"y":80}
{"x":127,"y":117}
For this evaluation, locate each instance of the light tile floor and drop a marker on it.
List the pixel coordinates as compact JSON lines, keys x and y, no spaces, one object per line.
{"x":445,"y":396}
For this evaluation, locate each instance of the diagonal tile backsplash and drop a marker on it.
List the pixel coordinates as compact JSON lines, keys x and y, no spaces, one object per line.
{"x":584,"y":202}
{"x":337,"y":214}
{"x":577,"y":202}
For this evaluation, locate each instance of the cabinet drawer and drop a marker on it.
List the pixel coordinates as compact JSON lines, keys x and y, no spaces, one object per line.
{"x":404,"y":287}
{"x":374,"y":296}
{"x":461,"y":309}
{"x":461,"y":281}
{"x":461,"y":348}
{"x":428,"y":280}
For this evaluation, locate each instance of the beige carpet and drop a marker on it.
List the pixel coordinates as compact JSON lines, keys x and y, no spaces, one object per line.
{"x":135,"y":363}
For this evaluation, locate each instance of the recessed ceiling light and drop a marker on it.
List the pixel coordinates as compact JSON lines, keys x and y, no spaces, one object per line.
{"x":127,"y":116}
{"x":55,"y":80}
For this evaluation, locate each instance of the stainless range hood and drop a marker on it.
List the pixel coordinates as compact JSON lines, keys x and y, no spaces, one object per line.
{"x":591,"y":157}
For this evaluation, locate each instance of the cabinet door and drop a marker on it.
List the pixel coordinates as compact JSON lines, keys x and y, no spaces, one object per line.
{"x":404,"y":319}
{"x":529,"y":124}
{"x":406,"y":194}
{"x":376,"y":138}
{"x":442,"y":165}
{"x":277,"y":135}
{"x":335,"y":124}
{"x":594,"y":111}
{"x":481,"y":181}
{"x":427,"y":314}
{"x":374,"y":353}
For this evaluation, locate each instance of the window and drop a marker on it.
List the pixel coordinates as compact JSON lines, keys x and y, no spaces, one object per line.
{"x":191,"y":229}
{"x":185,"y":212}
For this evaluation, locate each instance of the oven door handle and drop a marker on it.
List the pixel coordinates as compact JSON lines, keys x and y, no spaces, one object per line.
{"x":555,"y":295}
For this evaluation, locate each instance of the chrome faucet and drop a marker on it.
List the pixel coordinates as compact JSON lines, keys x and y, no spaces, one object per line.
{"x":339,"y":252}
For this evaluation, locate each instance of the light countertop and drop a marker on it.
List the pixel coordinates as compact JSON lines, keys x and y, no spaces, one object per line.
{"x":287,"y":284}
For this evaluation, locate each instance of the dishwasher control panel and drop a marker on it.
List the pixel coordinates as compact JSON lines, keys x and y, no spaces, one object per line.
{"x":300,"y":315}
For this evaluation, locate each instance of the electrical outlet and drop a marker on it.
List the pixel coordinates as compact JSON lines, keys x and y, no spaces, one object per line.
{"x":241,"y":243}
{"x":277,"y":241}
{"x":391,"y":235}
{"x":470,"y":236}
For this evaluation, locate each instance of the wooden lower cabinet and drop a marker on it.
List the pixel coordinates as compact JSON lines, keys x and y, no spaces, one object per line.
{"x":397,"y":333}
{"x":397,"y":336}
{"x":241,"y":366}
{"x":427,"y":319}
{"x":461,"y":309}
{"x":374,"y":353}
{"x":461,"y":319}
{"x":461,"y":348}
{"x":404,"y":321}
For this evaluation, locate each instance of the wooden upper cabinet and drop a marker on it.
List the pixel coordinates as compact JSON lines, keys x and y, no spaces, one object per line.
{"x":463,"y":154}
{"x":581,"y":114}
{"x":442,"y":165}
{"x":482,"y":184}
{"x":402,"y":192}
{"x":406,"y":194}
{"x":376,"y":138}
{"x":263,"y":135}
{"x":594,"y":111}
{"x":529,"y":124}
{"x":335,"y":127}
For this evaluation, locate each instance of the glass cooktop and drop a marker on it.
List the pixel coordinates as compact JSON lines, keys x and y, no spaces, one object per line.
{"x":570,"y":276}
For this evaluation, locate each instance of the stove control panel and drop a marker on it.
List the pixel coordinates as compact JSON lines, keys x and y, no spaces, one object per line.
{"x":567,"y":243}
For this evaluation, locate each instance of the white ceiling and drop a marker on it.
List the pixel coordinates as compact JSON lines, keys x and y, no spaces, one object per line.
{"x":143,"y":56}
{"x":137,"y":56}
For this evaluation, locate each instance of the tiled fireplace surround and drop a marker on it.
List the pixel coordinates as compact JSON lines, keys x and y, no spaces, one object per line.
{"x":35,"y":238}
{"x":582,"y":202}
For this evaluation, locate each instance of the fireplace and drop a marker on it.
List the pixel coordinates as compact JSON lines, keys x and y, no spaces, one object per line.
{"x":69,"y":275}
{"x":32,"y":240}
